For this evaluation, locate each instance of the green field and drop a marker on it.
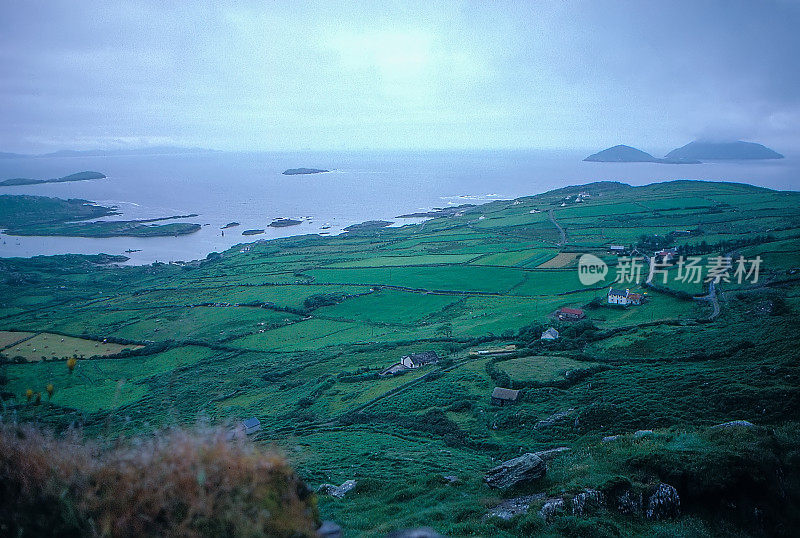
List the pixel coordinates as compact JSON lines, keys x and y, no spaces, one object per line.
{"x":295,"y":332}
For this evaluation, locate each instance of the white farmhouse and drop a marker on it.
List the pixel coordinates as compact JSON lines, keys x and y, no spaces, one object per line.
{"x":620,"y":297}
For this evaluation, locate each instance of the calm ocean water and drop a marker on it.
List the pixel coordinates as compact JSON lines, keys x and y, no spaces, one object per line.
{"x":249,"y":188}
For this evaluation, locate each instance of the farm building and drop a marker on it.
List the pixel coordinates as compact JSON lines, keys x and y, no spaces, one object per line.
{"x":501,"y":396}
{"x":570,"y":314}
{"x":617,"y":249}
{"x":410,"y":362}
{"x":666,"y":254}
{"x":624,"y":297}
{"x":251,"y":425}
{"x":393,"y":369}
{"x":617,"y":296}
{"x":415,"y":360}
{"x":635,"y":298}
{"x":550,"y":334}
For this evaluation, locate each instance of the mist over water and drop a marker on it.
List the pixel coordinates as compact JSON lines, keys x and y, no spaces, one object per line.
{"x":249,"y":188}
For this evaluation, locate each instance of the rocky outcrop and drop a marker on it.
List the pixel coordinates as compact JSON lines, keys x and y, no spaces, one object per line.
{"x":664,"y":503}
{"x":629,"y":502}
{"x":514,"y":507}
{"x":586,"y":502}
{"x":551,"y":453}
{"x":551,"y":507}
{"x":554,"y":419}
{"x":641,"y":434}
{"x":734,"y":424}
{"x":525,"y":468}
{"x":610,"y":438}
{"x":336,"y":491}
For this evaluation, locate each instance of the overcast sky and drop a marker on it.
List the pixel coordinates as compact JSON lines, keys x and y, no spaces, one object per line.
{"x":349,"y":75}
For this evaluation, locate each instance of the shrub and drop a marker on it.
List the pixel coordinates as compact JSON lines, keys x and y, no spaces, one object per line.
{"x":178,"y":483}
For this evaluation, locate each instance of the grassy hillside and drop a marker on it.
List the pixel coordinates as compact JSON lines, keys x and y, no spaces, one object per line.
{"x":294,"y":331}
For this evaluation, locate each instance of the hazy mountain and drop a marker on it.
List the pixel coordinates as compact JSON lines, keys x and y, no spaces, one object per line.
{"x":152,"y":150}
{"x":626,"y":154}
{"x":723,"y":150}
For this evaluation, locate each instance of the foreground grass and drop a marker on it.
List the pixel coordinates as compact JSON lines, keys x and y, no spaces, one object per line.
{"x":180,"y":483}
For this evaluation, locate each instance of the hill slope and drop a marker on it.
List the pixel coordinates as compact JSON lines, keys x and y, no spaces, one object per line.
{"x":723,"y":151}
{"x":296,"y":332}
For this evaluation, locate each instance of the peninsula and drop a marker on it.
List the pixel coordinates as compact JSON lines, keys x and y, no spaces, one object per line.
{"x":45,"y":216}
{"x":78,"y":176}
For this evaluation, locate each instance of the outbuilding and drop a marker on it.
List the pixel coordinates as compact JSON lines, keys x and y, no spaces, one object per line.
{"x":550,"y":334}
{"x":502,"y":396}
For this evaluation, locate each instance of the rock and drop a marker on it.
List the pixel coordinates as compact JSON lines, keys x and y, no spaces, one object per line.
{"x":610,"y":438}
{"x":525,"y":468}
{"x":336,"y":491}
{"x":553,"y":419}
{"x":664,"y":503}
{"x":514,"y":507}
{"x":629,"y":503}
{"x":643,"y":433}
{"x":329,"y":529}
{"x":552,"y":452}
{"x":733,"y":424}
{"x":586,"y":502}
{"x":422,"y":532}
{"x":551,"y":507}
{"x":451,"y":478}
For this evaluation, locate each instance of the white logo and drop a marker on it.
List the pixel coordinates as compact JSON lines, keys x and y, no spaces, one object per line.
{"x":591,"y":269}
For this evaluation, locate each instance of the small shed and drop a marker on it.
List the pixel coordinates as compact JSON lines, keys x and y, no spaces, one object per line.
{"x":251,"y":425}
{"x":502,"y":396}
{"x":550,"y":334}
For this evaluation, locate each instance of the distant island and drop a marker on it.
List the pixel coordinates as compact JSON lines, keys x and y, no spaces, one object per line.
{"x":252,"y":232}
{"x":723,"y":151}
{"x":78,"y":176}
{"x":282,"y":223}
{"x":45,"y":216}
{"x":627,"y":154}
{"x":230,"y":225}
{"x":301,"y":171}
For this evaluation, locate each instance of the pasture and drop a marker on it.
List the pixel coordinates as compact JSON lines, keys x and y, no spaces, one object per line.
{"x":294,"y":332}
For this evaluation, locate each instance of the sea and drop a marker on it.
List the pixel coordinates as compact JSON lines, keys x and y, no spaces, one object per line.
{"x":249,"y":188}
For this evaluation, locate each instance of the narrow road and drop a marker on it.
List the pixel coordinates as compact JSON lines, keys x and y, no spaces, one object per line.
{"x":557,"y":225}
{"x":712,"y":296}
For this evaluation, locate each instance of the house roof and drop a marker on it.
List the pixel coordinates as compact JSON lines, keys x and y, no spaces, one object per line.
{"x":574,"y":311}
{"x":550,"y":332}
{"x":424,"y":357}
{"x":621,"y":293}
{"x":251,"y":422}
{"x":504,"y":394}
